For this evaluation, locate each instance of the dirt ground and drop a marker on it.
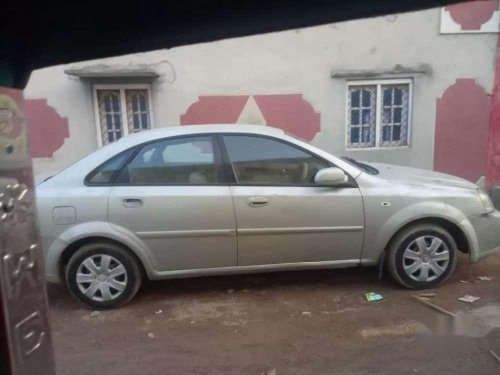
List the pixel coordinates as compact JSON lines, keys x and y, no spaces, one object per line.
{"x":312,"y":322}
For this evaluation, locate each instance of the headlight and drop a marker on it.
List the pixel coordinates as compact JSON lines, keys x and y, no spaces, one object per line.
{"x":486,"y":201}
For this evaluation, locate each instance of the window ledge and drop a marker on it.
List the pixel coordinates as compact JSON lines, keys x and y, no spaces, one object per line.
{"x":110,"y":71}
{"x":398,"y":71}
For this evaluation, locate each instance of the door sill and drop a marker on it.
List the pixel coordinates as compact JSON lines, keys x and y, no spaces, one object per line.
{"x":255,"y":269}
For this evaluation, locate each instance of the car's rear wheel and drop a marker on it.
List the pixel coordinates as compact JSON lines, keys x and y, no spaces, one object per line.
{"x":103,"y":275}
{"x":422,"y":256}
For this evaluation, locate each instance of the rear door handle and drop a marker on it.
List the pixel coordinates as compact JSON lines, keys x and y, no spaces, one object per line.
{"x":132,"y":202}
{"x":258,"y":201}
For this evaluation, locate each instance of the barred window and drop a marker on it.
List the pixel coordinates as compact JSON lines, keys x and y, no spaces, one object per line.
{"x":121,"y":110}
{"x":378,"y":113}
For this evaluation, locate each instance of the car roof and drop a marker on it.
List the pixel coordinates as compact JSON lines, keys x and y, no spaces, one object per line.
{"x":198,"y":129}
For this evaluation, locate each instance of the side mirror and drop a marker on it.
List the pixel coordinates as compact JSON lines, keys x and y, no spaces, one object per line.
{"x":330,"y":177}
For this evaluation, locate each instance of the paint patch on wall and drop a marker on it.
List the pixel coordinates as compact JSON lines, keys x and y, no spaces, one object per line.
{"x":47,"y":129}
{"x":475,"y":16}
{"x":461,"y":134}
{"x":289,"y":112}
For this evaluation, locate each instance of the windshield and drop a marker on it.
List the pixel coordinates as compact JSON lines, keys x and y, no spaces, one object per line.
{"x":364,"y":167}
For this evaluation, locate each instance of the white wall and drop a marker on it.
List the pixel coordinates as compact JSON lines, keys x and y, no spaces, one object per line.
{"x":296,"y":61}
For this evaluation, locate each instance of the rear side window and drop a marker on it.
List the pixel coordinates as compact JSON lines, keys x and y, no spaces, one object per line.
{"x":263,"y":161}
{"x":181,"y":161}
{"x":105,"y":173}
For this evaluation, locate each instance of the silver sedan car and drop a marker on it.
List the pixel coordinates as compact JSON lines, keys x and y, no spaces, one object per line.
{"x":217,"y":199}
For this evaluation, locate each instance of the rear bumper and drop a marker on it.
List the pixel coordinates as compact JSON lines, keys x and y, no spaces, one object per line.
{"x":487,"y":233}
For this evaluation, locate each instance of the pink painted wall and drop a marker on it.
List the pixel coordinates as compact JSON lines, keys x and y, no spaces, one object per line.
{"x":47,"y":129}
{"x":461,"y":134}
{"x":289,"y":112}
{"x":493,"y":166}
{"x":473,"y":14}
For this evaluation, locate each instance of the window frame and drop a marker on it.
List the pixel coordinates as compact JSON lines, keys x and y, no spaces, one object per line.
{"x":378,"y":83}
{"x":351,"y":183}
{"x":123,"y":105}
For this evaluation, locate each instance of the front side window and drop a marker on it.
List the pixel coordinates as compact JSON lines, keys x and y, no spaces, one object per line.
{"x":378,"y":114}
{"x":181,"y":161}
{"x":121,"y":111}
{"x":263,"y":161}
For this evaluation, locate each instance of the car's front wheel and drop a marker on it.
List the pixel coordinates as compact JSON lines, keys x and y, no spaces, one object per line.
{"x":422,"y":256}
{"x":103,"y":275}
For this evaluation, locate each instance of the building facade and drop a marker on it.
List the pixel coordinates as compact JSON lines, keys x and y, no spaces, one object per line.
{"x":411,"y":89}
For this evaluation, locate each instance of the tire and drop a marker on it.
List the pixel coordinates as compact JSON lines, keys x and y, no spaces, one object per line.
{"x":407,"y":263}
{"x":107,"y":272}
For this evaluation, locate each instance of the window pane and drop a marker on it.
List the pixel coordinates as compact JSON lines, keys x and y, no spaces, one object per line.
{"x":396,"y":133}
{"x":366,"y":117}
{"x":258,"y":160}
{"x":105,"y":173}
{"x":386,"y":133}
{"x":395,"y":115}
{"x":109,"y":115}
{"x":186,"y":161}
{"x":355,"y":98}
{"x":398,"y":96}
{"x":354,"y":135}
{"x":387,"y":96}
{"x":366,"y":134}
{"x":354,"y":117}
{"x":137,"y":110}
{"x":367,"y":98}
{"x":362,"y":108}
{"x":386,"y":116}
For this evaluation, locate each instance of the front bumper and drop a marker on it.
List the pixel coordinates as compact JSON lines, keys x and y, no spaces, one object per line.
{"x":487,"y":233}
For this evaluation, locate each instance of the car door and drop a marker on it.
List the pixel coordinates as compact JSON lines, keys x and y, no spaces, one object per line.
{"x":172,"y":196}
{"x":281,"y":215}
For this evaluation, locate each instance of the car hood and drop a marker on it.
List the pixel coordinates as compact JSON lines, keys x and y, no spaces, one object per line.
{"x":410,"y":175}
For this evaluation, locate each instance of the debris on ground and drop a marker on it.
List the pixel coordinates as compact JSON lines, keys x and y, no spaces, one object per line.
{"x":95,"y":313}
{"x":469,"y":299}
{"x":497,"y":357}
{"x":151,"y":335}
{"x":464,"y":281}
{"x":307,"y":313}
{"x":433,"y":306}
{"x":372,"y":296}
{"x":427,"y":295}
{"x":485,"y":278}
{"x":158,"y":312}
{"x":271,"y":371}
{"x":230,"y":291}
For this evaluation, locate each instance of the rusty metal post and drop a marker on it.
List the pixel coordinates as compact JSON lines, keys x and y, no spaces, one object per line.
{"x":25,"y":337}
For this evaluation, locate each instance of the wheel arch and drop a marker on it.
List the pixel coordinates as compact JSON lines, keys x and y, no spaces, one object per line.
{"x":455,"y":231}
{"x":61,"y":248}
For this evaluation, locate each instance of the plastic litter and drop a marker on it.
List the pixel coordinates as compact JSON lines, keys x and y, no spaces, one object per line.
{"x":158,"y":312}
{"x":95,"y":313}
{"x":306,"y":313}
{"x":427,"y":295}
{"x":372,"y":296}
{"x":468,"y":299}
{"x":151,"y":335}
{"x":485,"y":278}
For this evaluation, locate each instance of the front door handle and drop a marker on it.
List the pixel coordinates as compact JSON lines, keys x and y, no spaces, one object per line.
{"x":258,"y":201}
{"x":132,"y":202}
